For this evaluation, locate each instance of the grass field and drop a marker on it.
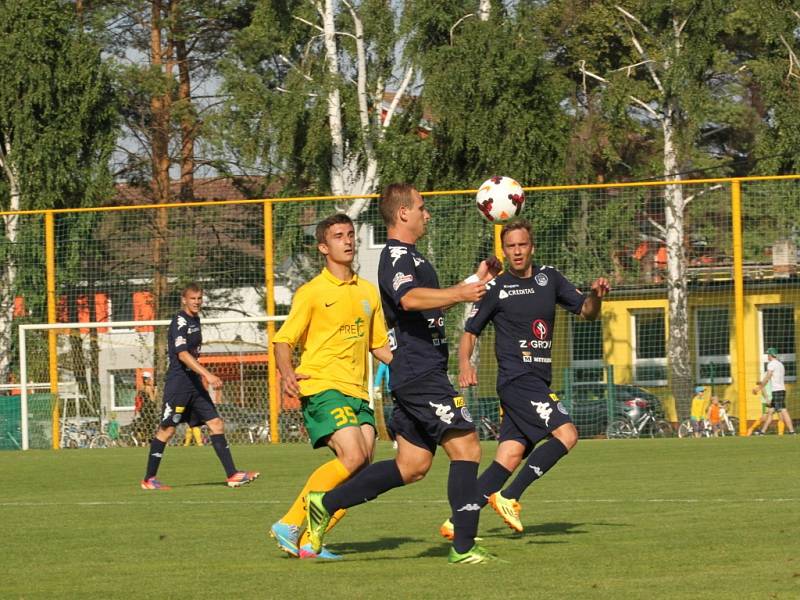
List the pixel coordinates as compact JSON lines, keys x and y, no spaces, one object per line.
{"x":707,"y":518}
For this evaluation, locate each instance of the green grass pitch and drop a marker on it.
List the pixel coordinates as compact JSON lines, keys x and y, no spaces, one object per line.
{"x":707,"y":518}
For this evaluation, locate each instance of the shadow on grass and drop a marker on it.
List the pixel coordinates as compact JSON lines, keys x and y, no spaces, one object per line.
{"x":352,"y":549}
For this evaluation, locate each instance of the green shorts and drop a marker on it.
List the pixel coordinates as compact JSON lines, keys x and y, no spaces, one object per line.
{"x":330,"y":411}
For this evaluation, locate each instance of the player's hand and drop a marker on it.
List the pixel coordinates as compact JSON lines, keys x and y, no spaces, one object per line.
{"x":472,"y":292}
{"x":468,"y":377}
{"x":289,"y":383}
{"x":600,"y":287}
{"x":488,"y":269}
{"x":214,"y":382}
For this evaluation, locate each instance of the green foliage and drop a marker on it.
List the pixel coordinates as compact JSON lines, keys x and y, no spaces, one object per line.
{"x":57,"y":112}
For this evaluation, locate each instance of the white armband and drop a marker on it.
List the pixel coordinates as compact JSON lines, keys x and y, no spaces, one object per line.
{"x":472,"y":279}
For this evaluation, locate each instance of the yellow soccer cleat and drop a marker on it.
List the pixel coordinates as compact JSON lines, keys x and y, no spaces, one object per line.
{"x":447,"y":531}
{"x":508,"y":509}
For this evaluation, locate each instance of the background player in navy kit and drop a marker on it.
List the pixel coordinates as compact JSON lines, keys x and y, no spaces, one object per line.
{"x":185,"y":398}
{"x":427,"y":409}
{"x":521,"y":302}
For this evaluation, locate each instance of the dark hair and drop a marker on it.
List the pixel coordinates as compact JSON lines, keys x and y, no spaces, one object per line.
{"x":515,"y":225}
{"x":394,"y":196}
{"x":191,"y":287}
{"x":328,"y":222}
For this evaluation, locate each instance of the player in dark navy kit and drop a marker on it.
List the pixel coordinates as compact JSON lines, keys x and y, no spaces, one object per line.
{"x":521,"y":302}
{"x":185,"y":398}
{"x":428,"y":411}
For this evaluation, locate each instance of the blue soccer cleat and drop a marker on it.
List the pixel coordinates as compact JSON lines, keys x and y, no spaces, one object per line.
{"x":286,"y":535}
{"x":307,"y":552}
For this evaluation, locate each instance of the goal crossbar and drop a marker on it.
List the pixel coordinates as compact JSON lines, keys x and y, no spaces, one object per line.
{"x":25,"y":385}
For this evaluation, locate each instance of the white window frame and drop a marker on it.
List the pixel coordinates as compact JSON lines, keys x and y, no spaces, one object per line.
{"x":371,"y":243}
{"x":646,"y":362}
{"x":783,"y":357}
{"x":113,"y":392}
{"x":711,"y":359}
{"x":585,"y":364}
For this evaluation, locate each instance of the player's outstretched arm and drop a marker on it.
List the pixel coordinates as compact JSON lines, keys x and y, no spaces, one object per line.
{"x":431,"y":298}
{"x":289,"y":378}
{"x":591,"y":307}
{"x":192,"y":363}
{"x":467,"y":374}
{"x":383,"y":354}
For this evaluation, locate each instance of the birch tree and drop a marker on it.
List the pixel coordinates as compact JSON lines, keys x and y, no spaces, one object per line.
{"x":309,"y":84}
{"x":57,"y":125}
{"x":675,"y":82}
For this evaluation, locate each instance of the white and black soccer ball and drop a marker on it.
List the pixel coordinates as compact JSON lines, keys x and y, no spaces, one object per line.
{"x":500,"y":199}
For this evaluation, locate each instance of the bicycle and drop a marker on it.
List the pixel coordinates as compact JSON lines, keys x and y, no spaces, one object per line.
{"x":640,"y":421}
{"x":488,"y":429}
{"x":728,"y":426}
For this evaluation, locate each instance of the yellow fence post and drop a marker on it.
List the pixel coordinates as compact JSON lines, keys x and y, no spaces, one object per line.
{"x":738,"y":295}
{"x":269,"y":272}
{"x":50,"y":270}
{"x":498,"y":243}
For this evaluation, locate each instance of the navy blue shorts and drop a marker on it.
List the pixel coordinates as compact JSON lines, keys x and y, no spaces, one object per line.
{"x":778,"y":400}
{"x":426,"y":409}
{"x":530,"y":411}
{"x":191,"y":406}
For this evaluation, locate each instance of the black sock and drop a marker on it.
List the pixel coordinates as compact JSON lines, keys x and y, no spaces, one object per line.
{"x":491,"y":481}
{"x":223,"y":451}
{"x":367,"y":485}
{"x":462,"y":492}
{"x":539,"y":462}
{"x":154,"y":458}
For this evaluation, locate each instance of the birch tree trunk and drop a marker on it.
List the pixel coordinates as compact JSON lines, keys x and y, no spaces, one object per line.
{"x":8,"y":271}
{"x":677,"y":276}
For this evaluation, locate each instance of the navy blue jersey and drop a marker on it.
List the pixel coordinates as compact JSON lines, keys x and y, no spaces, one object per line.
{"x":417,"y":338}
{"x":184,"y":335}
{"x":523,"y":312}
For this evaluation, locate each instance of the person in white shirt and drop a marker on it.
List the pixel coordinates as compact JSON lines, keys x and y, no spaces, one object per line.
{"x":776,"y":376}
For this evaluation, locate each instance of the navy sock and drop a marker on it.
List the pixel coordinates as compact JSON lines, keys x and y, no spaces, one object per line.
{"x":539,"y":462}
{"x":154,"y":458}
{"x":491,"y":481}
{"x":367,"y":485}
{"x":462,"y":492}
{"x":223,"y":451}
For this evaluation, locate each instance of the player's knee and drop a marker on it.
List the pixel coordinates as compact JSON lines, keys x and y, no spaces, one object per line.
{"x":216,"y":426}
{"x":355,"y":461}
{"x":567,"y":435}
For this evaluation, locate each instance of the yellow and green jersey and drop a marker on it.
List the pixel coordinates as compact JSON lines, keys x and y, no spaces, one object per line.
{"x":335,"y":323}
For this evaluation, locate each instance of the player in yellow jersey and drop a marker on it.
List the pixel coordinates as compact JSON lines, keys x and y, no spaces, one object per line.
{"x":336,"y":318}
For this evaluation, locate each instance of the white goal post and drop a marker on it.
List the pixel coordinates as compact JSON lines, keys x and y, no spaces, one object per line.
{"x":118,"y":341}
{"x":26,"y":385}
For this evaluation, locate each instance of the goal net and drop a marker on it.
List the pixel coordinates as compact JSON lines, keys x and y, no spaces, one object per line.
{"x":111,"y":376}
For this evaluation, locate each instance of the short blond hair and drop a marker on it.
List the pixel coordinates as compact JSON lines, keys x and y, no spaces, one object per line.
{"x":395,"y":196}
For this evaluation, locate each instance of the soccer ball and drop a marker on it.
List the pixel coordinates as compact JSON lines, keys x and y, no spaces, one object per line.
{"x":500,"y":199}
